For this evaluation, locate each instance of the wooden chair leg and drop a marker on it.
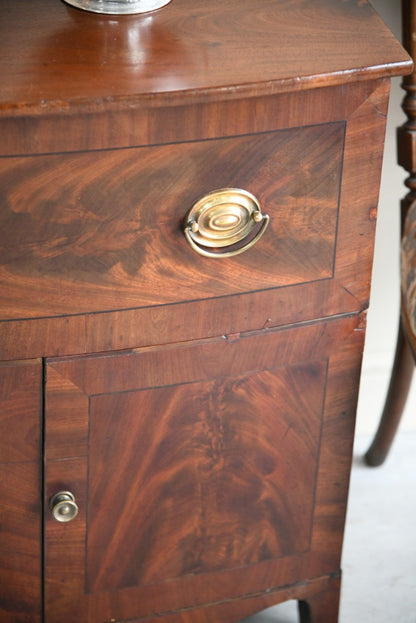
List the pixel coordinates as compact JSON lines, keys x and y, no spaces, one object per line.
{"x":396,"y":399}
{"x":322,"y":607}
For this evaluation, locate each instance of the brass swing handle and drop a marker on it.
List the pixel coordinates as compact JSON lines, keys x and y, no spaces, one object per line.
{"x":224,"y":218}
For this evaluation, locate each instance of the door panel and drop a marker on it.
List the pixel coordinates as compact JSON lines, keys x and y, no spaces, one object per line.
{"x":194,"y":467}
{"x":207,"y":476}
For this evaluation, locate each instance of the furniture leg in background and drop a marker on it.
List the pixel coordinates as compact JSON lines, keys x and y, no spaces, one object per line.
{"x":404,"y":358}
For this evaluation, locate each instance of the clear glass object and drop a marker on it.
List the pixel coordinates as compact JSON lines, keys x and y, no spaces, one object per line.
{"x":118,"y":7}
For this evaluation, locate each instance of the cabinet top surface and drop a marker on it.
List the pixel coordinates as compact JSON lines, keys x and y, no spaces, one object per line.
{"x":55,"y":58}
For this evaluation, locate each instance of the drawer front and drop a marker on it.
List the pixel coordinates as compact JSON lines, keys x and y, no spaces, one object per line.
{"x":103,"y":231}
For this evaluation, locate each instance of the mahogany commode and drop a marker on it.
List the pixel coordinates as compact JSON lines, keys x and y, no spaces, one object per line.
{"x":191,"y":416}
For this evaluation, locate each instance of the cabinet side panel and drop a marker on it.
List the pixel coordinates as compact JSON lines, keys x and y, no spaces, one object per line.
{"x":359,"y":194}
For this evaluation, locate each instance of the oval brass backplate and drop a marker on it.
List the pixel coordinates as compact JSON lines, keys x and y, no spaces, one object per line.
{"x":223,"y":218}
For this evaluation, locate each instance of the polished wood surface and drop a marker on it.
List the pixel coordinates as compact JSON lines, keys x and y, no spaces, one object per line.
{"x":202,"y":412}
{"x":207,"y":489}
{"x":323,"y":605}
{"x":77,"y":80}
{"x":114,"y":235}
{"x":90,"y":256}
{"x":20,"y":491}
{"x":20,"y":399}
{"x":199,"y":50}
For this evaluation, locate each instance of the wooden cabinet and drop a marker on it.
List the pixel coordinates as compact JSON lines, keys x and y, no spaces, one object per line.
{"x":200,"y":410}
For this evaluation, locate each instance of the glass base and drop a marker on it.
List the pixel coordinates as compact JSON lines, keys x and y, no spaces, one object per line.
{"x":118,"y":7}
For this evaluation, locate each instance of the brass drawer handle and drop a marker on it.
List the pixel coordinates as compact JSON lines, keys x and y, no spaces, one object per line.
{"x":63,"y":506}
{"x":223,"y":218}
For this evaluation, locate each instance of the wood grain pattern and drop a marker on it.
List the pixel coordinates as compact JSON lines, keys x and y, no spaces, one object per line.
{"x":94,"y":333}
{"x":139,"y":126}
{"x":349,"y":291}
{"x":218,"y":443}
{"x":323,"y":605}
{"x":207,"y":476}
{"x":20,"y":492}
{"x":187,"y":48}
{"x":20,"y":543}
{"x":359,"y":193}
{"x":20,"y":401}
{"x":182,"y":72}
{"x":73,"y":379}
{"x":162,"y":448}
{"x":93,"y":232}
{"x":234,"y":611}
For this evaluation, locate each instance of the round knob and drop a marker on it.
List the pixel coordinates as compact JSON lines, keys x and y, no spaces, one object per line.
{"x":63,"y":506}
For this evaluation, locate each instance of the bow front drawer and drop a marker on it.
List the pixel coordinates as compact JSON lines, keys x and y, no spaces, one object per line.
{"x":99,"y":231}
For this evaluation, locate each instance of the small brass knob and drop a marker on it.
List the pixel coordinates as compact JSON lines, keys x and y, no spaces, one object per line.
{"x":63,"y":506}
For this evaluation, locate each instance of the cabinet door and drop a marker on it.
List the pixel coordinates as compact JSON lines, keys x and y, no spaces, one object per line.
{"x":203,"y":472}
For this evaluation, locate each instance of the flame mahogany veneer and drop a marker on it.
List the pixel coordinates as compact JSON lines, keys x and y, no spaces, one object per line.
{"x":201,"y":410}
